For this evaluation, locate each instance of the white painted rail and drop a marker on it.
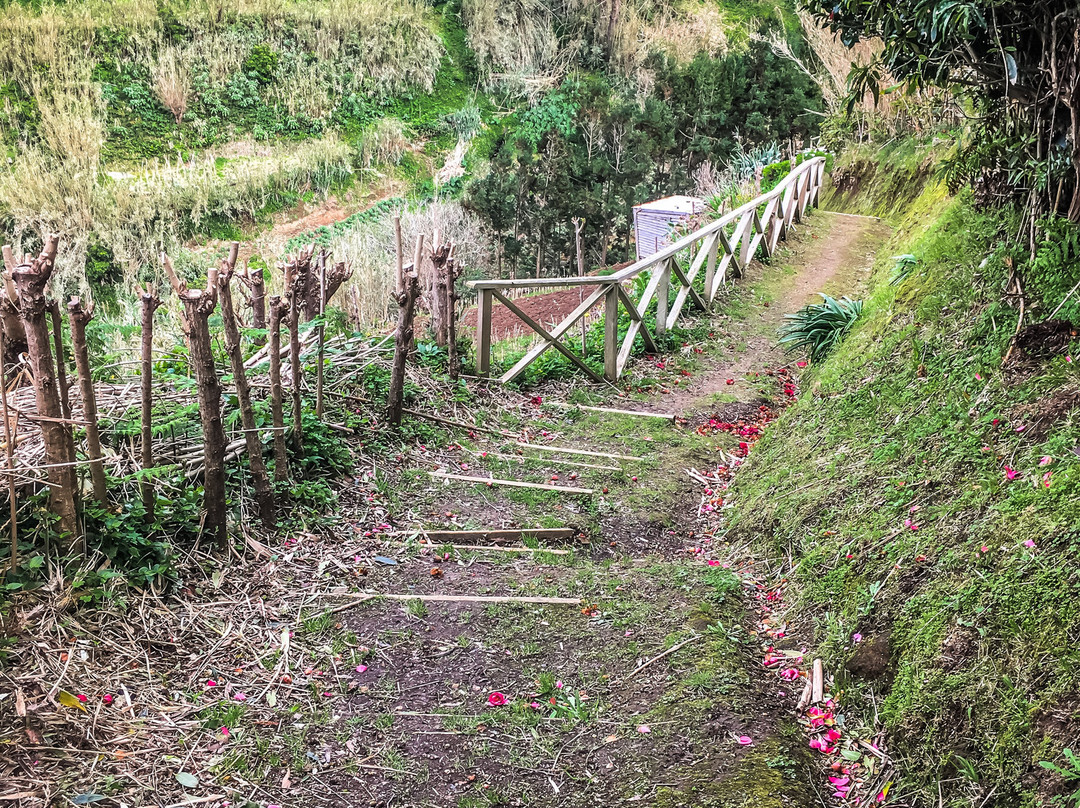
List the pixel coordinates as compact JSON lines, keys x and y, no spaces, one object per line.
{"x":732,"y":240}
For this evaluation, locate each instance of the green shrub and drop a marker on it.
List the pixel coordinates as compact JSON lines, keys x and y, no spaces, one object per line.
{"x":261,"y":63}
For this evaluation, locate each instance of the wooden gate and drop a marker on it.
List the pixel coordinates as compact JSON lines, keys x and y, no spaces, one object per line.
{"x":732,"y":240}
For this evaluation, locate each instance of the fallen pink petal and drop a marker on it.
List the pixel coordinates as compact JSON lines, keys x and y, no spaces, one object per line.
{"x":745,"y":740}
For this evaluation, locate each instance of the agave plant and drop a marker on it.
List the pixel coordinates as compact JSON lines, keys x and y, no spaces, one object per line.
{"x":819,"y":327}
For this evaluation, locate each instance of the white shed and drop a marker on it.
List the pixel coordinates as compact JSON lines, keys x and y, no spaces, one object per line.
{"x":654,"y":221}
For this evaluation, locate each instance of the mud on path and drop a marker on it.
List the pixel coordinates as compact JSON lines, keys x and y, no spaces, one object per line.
{"x":269,"y":685}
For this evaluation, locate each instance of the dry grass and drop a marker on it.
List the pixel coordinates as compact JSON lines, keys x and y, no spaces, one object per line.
{"x":383,"y":143}
{"x":171,"y":74}
{"x":370,"y":249}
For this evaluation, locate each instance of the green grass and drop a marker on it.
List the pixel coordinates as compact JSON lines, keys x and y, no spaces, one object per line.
{"x":911,"y":422}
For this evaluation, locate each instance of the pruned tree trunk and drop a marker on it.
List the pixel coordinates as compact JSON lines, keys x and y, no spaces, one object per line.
{"x":150,"y":304}
{"x":10,"y":323}
{"x":439,"y":291}
{"x":198,"y":306}
{"x":264,"y":492}
{"x":255,"y":280}
{"x":61,"y":366}
{"x":80,"y":317}
{"x":31,"y":279}
{"x":445,"y":297}
{"x":278,"y":309}
{"x":312,"y":290}
{"x":402,"y":340}
{"x":292,"y":282}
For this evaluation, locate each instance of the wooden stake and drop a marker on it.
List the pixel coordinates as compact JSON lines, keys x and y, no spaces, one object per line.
{"x":321,"y":338}
{"x":658,"y":657}
{"x":150,"y":303}
{"x":818,"y":692}
{"x":666,"y":416}
{"x":565,"y":489}
{"x":278,"y":309}
{"x":61,"y":366}
{"x":9,"y":445}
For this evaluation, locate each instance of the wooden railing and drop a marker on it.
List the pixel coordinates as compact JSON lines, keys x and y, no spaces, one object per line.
{"x":732,"y":240}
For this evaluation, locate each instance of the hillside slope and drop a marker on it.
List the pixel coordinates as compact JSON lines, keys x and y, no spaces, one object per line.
{"x":927,"y":496}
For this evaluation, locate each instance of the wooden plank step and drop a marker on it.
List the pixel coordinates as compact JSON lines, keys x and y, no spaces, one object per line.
{"x":564,"y":489}
{"x":513,"y":534}
{"x":584,"y":452}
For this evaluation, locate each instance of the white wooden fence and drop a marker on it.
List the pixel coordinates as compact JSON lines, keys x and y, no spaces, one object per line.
{"x":732,"y":240}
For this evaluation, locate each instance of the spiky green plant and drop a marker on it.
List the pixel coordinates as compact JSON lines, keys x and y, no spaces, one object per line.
{"x":905,"y":267}
{"x":819,"y":327}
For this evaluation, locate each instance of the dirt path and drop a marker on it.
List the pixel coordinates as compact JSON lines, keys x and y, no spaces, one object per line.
{"x":833,"y":255}
{"x":265,"y":683}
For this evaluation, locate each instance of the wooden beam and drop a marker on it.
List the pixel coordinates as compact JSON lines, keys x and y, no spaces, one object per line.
{"x":510,"y":534}
{"x":639,"y":413}
{"x":539,"y":329}
{"x":586,"y":452}
{"x":552,"y":460}
{"x":631,"y":307}
{"x":557,"y":332}
{"x":662,"y":287}
{"x":563,"y":489}
{"x":363,"y":596}
{"x":483,"y":332}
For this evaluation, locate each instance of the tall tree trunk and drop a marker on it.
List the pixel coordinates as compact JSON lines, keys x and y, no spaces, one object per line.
{"x":402,"y":339}
{"x":255,"y":280}
{"x":278,"y":309}
{"x":264,"y":492}
{"x":150,"y":304}
{"x":61,"y":366}
{"x":198,"y":306}
{"x":30,"y":281}
{"x":79,"y":318}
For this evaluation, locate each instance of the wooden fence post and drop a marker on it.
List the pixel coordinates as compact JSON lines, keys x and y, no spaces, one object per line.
{"x":611,"y":332}
{"x":483,"y":332}
{"x":710,"y":267}
{"x":662,"y":297}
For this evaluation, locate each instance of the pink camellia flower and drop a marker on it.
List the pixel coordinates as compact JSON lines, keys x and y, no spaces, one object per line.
{"x":107,"y":698}
{"x":1010,"y":473}
{"x":712,"y":562}
{"x":497,"y":699}
{"x":856,"y":637}
{"x":984,"y":549}
{"x":833,"y":735}
{"x":81,"y":697}
{"x":745,"y":740}
{"x":535,"y":705}
{"x":1046,"y":479}
{"x":211,"y":683}
{"x":559,"y":684}
{"x":1029,"y":543}
{"x":1045,"y":460}
{"x":978,"y":377}
{"x":789,"y":674}
{"x":225,"y":731}
{"x":361,"y":668}
{"x":240,"y":697}
{"x":644,"y":729}
{"x":801,"y":363}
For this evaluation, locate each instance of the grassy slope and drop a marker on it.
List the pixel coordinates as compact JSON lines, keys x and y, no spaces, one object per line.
{"x":913,"y":412}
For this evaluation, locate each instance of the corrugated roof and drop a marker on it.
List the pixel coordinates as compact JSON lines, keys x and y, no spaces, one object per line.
{"x":654,"y":221}
{"x":684,"y":205}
